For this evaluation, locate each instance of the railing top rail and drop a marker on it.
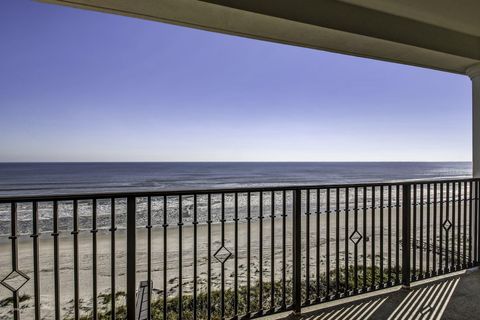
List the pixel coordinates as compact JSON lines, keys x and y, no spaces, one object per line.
{"x":161,"y":193}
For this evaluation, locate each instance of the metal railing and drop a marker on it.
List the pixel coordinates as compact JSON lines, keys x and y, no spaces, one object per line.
{"x":230,"y":253}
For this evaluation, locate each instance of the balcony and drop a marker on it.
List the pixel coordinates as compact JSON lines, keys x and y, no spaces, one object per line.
{"x":231,"y":254}
{"x":325,"y":251}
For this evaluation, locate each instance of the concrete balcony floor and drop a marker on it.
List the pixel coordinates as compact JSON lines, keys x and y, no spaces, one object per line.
{"x":455,"y":296}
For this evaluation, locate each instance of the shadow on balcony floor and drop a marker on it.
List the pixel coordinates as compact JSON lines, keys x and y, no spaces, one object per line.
{"x":455,"y":297}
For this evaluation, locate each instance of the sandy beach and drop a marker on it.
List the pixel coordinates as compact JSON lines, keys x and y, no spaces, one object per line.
{"x":104,"y":257}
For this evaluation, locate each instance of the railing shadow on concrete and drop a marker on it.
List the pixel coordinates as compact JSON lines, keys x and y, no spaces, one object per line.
{"x":425,"y":302}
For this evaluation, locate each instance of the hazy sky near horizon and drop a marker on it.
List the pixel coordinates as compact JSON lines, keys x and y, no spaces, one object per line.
{"x":85,"y":86}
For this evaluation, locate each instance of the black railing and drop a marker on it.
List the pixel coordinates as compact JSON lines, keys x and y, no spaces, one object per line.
{"x":229,"y":254}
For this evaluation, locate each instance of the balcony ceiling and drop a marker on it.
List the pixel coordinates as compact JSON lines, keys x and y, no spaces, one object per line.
{"x":459,"y":15}
{"x":436,"y":34}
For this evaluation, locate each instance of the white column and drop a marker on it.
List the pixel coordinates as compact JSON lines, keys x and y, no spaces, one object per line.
{"x":474,"y":73}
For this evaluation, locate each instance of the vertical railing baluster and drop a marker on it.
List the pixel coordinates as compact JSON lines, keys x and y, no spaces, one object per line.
{"x":249,"y":244}
{"x":421,"y":225}
{"x":284,"y":249}
{"x":414,"y":231}
{"x":317,"y":264}
{"x":477,"y":221}
{"x":382,"y":205}
{"x":56,"y":265}
{"x":297,"y":250}
{"x":464,"y":262}
{"x":453,"y":202}
{"x":165,"y":255}
{"x":14,"y":246}
{"x":447,"y":214}
{"x":327,"y":236}
{"x":76,"y":292}
{"x":435,"y":204}
{"x":235,"y":307}
{"x":459,"y":224}
{"x":428,"y":271}
{"x":272,"y":251}
{"x":389,"y":236}
{"x":365,"y":209}
{"x":94,"y":259}
{"x":346,"y":239}
{"x":470,"y":221}
{"x":36,"y":262}
{"x":149,"y":257}
{"x":355,"y":249}
{"x":209,"y":257}
{"x":307,"y":245}
{"x":222,"y":276}
{"x":406,"y":245}
{"x":374,"y":266}
{"x":113,"y":229}
{"x":195,"y":258}
{"x":180,"y":258}
{"x":131,"y":256}
{"x":440,"y":227}
{"x":260,"y":249}
{"x":337,"y":242}
{"x":455,"y":223}
{"x":397,"y":233}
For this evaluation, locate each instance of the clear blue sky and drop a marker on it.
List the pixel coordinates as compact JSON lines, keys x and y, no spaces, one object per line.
{"x":84,"y":86}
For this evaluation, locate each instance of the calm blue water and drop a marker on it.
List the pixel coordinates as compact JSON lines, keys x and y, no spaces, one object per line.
{"x":55,"y":178}
{"x":58,"y":178}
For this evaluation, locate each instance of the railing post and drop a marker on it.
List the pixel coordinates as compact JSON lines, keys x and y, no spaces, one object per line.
{"x":406,"y":245}
{"x":477,"y":216}
{"x":297,"y":250}
{"x":131,"y":257}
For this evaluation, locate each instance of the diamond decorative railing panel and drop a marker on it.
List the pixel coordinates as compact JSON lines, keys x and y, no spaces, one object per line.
{"x":15,"y":280}
{"x":447,"y":225}
{"x":355,"y":237}
{"x":222,"y":254}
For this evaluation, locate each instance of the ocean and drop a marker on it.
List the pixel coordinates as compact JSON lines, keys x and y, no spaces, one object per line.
{"x":75,"y":178}
{"x":61,"y":178}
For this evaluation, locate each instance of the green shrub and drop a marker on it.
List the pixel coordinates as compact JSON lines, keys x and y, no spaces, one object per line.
{"x":215,"y":307}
